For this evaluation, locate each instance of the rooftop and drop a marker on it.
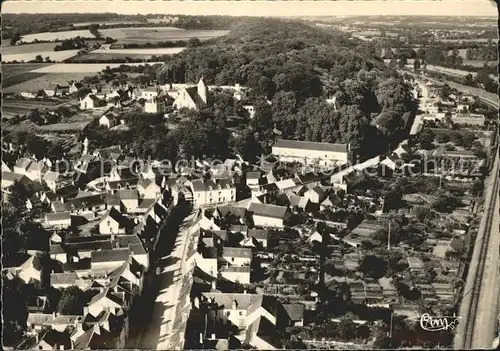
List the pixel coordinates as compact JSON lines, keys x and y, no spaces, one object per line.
{"x":309,"y":145}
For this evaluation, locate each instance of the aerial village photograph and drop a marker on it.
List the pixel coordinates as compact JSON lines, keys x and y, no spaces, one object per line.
{"x":228,"y":175}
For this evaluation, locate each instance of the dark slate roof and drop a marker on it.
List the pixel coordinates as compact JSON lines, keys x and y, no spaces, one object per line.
{"x":309,"y":145}
{"x":254,"y":175}
{"x":295,"y":311}
{"x":116,"y":216}
{"x":268,"y":210}
{"x":57,"y":216}
{"x":242,"y":252}
{"x":112,"y":255}
{"x":11,"y":176}
{"x":200,"y":185}
{"x":63,"y":278}
{"x":258,"y":234}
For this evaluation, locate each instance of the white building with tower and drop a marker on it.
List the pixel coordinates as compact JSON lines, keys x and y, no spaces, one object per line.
{"x":194,"y":97}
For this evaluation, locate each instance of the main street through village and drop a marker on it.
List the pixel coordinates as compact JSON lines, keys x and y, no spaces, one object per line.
{"x":173,"y":282}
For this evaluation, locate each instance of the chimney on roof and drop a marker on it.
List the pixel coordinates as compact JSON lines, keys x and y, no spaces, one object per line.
{"x":54,"y":314}
{"x":235,"y":304}
{"x":213,"y":337}
{"x":214,"y":284}
{"x":245,"y":291}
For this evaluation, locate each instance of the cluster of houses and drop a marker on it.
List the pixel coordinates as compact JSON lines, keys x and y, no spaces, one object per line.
{"x":455,"y":108}
{"x":102,"y":235}
{"x":100,"y":241}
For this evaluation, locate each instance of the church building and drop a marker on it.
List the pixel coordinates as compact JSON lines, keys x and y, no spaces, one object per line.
{"x":195,"y":98}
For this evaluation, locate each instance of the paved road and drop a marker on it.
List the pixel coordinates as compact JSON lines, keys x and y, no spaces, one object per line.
{"x":418,"y":122}
{"x":158,"y":333}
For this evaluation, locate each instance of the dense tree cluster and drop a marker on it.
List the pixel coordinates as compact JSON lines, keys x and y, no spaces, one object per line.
{"x":70,"y":44}
{"x":31,"y":144}
{"x":297,"y":67}
{"x":72,"y":301}
{"x":159,"y":44}
{"x":484,"y":53}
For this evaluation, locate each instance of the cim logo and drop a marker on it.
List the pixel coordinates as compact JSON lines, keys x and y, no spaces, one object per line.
{"x":430,"y":323}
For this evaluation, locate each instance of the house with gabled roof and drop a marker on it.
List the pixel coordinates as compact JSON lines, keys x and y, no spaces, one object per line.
{"x":155,"y":105}
{"x":265,"y":215}
{"x":194,"y":97}
{"x":212,"y":192}
{"x":113,"y":222}
{"x":36,"y":170}
{"x":74,"y":86}
{"x":5,"y":168}
{"x":257,"y":317}
{"x":54,"y":180}
{"x":107,"y":300}
{"x":237,"y":256}
{"x":136,"y":248}
{"x":9,"y":178}
{"x":31,"y":270}
{"x":149,"y":189}
{"x":109,"y":259}
{"x":109,"y":120}
{"x":22,"y":165}
{"x":236,"y":274}
{"x":58,"y":220}
{"x":95,"y":338}
{"x":316,"y":195}
{"x":260,"y":235}
{"x":330,"y":201}
{"x":90,"y":101}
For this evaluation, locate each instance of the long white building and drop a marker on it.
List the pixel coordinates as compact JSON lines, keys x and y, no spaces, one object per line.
{"x":307,"y":152}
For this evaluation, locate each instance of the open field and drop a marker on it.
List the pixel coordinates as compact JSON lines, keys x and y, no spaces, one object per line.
{"x":14,"y":69}
{"x":56,"y":56}
{"x":10,"y":108}
{"x":154,"y":34}
{"x":18,"y":73}
{"x":478,"y":63}
{"x":28,"y":48}
{"x":60,"y":127}
{"x":72,"y":68}
{"x":148,"y":51}
{"x":107,"y":23}
{"x":122,"y":54}
{"x":43,"y":80}
{"x":92,"y":57}
{"x":56,"y":36}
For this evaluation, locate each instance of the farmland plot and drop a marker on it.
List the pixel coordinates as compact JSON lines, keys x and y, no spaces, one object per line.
{"x":148,"y":51}
{"x":28,"y":48}
{"x":72,"y":68}
{"x":56,"y":36}
{"x":18,"y":73}
{"x":44,"y":80}
{"x":56,"y":56}
{"x":154,"y":34}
